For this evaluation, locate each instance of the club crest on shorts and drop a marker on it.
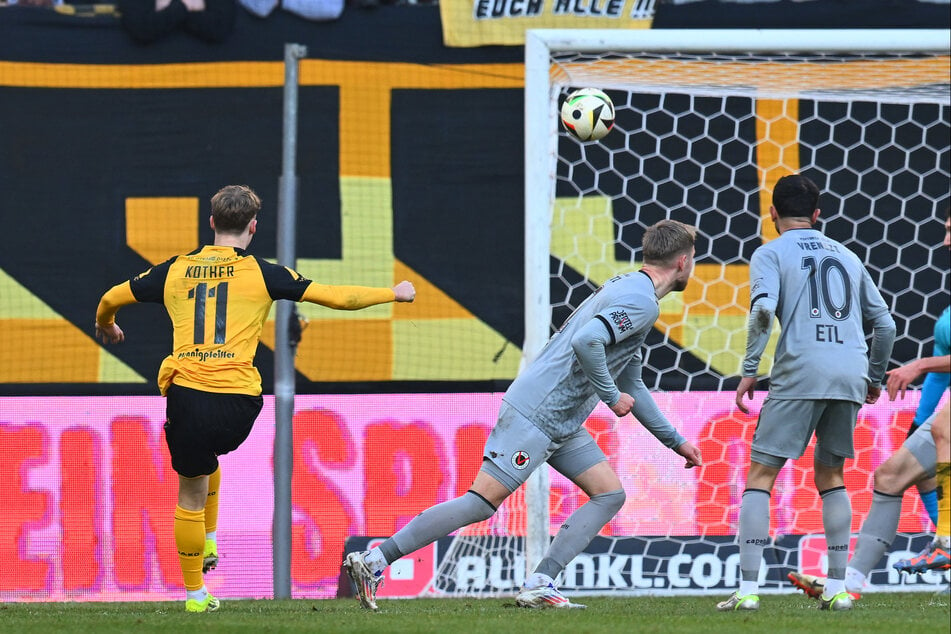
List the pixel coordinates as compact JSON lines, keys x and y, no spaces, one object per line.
{"x":520,"y":460}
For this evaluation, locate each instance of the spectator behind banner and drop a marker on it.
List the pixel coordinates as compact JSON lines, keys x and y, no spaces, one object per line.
{"x":317,"y":10}
{"x":149,"y":20}
{"x":43,"y":4}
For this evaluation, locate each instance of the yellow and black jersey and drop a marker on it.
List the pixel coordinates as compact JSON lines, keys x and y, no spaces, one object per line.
{"x":218,"y":299}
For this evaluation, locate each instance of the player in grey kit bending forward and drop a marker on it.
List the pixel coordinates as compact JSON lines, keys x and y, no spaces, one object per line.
{"x":596,"y":355}
{"x":823,"y":372}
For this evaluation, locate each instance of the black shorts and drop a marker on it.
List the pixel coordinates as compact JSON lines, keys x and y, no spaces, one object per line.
{"x":200,"y":426}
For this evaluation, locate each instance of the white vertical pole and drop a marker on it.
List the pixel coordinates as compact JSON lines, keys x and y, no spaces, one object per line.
{"x":284,"y":347}
{"x":539,"y":193}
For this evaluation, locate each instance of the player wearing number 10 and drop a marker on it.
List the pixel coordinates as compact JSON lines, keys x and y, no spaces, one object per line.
{"x":218,"y":298}
{"x":823,"y":371}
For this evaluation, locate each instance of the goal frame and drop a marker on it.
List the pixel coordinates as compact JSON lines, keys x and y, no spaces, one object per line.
{"x":541,"y":140}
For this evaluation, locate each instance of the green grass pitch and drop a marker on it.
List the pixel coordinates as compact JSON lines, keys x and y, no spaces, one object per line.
{"x":892,"y":613}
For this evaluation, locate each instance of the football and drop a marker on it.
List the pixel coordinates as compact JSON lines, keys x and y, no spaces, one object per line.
{"x":588,"y":114}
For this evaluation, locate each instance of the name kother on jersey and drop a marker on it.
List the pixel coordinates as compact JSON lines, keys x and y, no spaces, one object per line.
{"x":203,"y":271}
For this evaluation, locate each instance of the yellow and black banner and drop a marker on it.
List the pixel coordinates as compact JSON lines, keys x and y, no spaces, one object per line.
{"x":503,"y":22}
{"x":109,"y":167}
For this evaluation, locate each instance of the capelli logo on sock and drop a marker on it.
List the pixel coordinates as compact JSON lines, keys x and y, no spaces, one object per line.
{"x":520,"y":460}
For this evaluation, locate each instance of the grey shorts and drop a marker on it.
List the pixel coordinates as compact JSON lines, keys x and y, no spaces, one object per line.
{"x":785,"y":428}
{"x":922,"y":447}
{"x":516,"y":447}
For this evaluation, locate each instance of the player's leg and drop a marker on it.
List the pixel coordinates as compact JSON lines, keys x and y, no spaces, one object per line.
{"x":580,"y":460}
{"x":900,"y":471}
{"x":477,"y":504}
{"x":941,"y":434}
{"x":200,"y":426}
{"x":928,"y":492}
{"x":913,"y":462}
{"x":190,"y":541}
{"x":782,"y":432}
{"x":210,"y":558}
{"x":837,"y":524}
{"x":834,"y":444}
{"x":514,"y":449}
{"x":605,"y":498}
{"x":192,"y":462}
{"x":753,"y":531}
{"x":927,"y":489}
{"x":230,"y":422}
{"x":937,"y":555}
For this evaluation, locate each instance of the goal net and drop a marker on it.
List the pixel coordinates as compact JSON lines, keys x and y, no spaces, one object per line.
{"x":706,"y":122}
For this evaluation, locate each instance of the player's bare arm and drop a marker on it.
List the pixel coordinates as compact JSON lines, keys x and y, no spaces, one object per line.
{"x":900,"y":378}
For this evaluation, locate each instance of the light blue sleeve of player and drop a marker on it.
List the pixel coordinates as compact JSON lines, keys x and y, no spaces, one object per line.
{"x":589,"y":344}
{"x":645,"y":409}
{"x":614,"y":334}
{"x":936,"y":382}
{"x":764,"y":291}
{"x":931,"y":391}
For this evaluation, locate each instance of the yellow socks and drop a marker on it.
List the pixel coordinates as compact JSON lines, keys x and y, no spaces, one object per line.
{"x":190,"y":540}
{"x":211,"y":502}
{"x":943,"y":473}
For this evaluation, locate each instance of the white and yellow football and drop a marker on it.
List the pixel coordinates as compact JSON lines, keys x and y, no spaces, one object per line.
{"x":588,"y":114}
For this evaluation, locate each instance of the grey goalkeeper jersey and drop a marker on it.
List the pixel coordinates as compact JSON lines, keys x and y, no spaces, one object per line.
{"x":595,"y":356}
{"x":821,"y":294}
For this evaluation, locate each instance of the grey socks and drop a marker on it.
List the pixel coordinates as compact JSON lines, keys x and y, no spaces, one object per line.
{"x":435,"y":522}
{"x":754,"y":532}
{"x":578,"y":531}
{"x":878,"y":531}
{"x":837,"y":522}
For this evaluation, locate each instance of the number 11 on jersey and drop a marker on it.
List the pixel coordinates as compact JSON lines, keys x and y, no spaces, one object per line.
{"x":201,"y":294}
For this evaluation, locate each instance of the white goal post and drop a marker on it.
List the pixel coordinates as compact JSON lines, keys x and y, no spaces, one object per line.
{"x":559,"y":59}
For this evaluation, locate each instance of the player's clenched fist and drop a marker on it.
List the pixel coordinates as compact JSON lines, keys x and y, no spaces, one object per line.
{"x":405,"y":291}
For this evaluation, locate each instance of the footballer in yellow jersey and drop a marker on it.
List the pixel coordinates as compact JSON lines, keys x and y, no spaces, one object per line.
{"x":218,"y":298}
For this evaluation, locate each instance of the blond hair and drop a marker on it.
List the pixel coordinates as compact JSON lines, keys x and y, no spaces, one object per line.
{"x":666,"y":240}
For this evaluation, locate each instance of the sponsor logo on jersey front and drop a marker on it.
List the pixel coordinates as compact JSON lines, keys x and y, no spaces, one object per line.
{"x":520,"y":460}
{"x":206,"y":355}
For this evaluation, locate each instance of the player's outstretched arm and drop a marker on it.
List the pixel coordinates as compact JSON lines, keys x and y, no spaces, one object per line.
{"x":357,"y":297}
{"x":900,"y":378}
